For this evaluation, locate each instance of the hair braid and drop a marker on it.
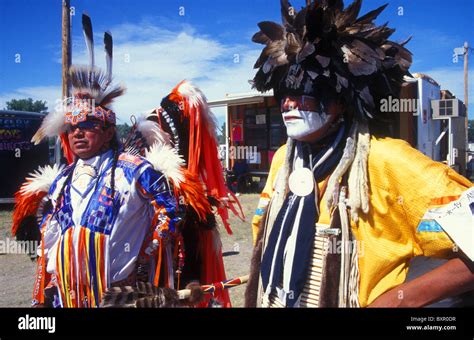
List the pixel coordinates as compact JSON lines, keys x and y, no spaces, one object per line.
{"x":68,"y":179}
{"x":115,"y":147}
{"x":112,"y":175}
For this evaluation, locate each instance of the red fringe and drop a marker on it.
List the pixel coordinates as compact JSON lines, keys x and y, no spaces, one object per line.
{"x":213,"y":267}
{"x":203,"y":164}
{"x":203,"y":161}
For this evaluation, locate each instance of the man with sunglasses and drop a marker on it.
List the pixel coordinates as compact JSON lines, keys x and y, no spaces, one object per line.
{"x":90,"y":137}
{"x":109,"y":212}
{"x":345,"y":210}
{"x":109,"y":218}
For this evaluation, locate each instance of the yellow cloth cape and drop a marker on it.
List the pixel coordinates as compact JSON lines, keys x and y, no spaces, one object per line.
{"x":403,"y":185}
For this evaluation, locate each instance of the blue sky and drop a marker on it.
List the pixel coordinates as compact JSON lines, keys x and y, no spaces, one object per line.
{"x":156,"y":46}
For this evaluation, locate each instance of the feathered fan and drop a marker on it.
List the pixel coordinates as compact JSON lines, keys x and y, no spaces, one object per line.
{"x":145,"y":295}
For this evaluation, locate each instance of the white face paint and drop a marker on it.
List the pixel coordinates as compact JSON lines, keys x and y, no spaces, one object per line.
{"x":300,"y":124}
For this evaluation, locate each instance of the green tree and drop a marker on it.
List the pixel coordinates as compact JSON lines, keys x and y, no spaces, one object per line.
{"x":27,"y":105}
{"x":122,"y":131}
{"x":221,"y":134}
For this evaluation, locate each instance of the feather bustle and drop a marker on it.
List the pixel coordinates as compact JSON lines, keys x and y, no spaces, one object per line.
{"x":31,"y":193}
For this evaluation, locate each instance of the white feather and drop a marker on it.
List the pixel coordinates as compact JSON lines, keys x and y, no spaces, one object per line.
{"x":196,"y":98}
{"x":52,"y":125}
{"x":41,"y":180}
{"x":166,"y":160}
{"x":151,"y":131}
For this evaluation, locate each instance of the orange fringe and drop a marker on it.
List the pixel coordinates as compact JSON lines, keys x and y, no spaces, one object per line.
{"x":25,"y":205}
{"x":203,"y":161}
{"x":194,"y":194}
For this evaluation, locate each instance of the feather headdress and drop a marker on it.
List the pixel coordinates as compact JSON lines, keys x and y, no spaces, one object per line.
{"x":327,"y":51}
{"x":185,"y":115}
{"x":92,"y":94}
{"x":179,"y":140}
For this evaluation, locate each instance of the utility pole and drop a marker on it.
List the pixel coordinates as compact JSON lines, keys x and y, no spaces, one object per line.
{"x":66,"y":47}
{"x":466,"y":96}
{"x":464,"y":52}
{"x":66,"y":63}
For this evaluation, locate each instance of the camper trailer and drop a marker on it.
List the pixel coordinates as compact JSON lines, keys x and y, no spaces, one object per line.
{"x":18,"y":156}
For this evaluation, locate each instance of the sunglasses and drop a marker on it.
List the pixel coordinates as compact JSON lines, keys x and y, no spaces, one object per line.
{"x":88,"y":125}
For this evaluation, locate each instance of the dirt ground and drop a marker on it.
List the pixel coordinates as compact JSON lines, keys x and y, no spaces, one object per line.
{"x":17,"y":270}
{"x":237,"y":248}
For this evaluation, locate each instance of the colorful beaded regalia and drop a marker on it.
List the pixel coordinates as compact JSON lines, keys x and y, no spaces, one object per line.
{"x":112,"y":220}
{"x":191,"y":132}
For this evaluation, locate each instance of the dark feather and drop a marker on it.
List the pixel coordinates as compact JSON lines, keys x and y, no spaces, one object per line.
{"x":143,"y":295}
{"x":382,"y":84}
{"x":88,"y":35}
{"x":349,"y":15}
{"x":367,"y":97}
{"x":323,"y":61}
{"x":406,"y":41}
{"x":299,"y":25}
{"x":108,"y":44}
{"x":262,"y":82}
{"x":274,"y":50}
{"x":336,"y":5}
{"x":389,"y":63}
{"x":314,"y":23}
{"x":364,"y":51}
{"x":286,"y":13}
{"x":261,"y":60}
{"x":358,"y":66}
{"x":120,"y":297}
{"x":272,"y":30}
{"x":378,"y":35}
{"x":305,"y":52}
{"x":293,"y":45}
{"x":85,"y":79}
{"x":81,"y":77}
{"x":399,"y":53}
{"x":110,"y":94}
{"x":260,"y":38}
{"x":371,"y":16}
